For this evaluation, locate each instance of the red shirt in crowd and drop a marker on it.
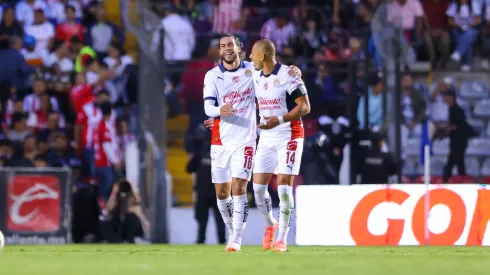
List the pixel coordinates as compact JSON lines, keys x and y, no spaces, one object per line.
{"x":65,"y":31}
{"x":106,"y":134}
{"x":81,"y":95}
{"x":435,"y":12}
{"x":88,"y":119}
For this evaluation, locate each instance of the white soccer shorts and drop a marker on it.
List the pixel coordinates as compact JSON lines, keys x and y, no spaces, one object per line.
{"x":229,"y":162}
{"x":279,"y":158}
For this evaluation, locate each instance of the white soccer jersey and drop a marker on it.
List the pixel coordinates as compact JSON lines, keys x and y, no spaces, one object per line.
{"x":276,"y":94}
{"x":235,"y":86}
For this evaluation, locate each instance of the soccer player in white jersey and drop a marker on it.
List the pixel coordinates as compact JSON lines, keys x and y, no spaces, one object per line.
{"x":229,"y":97}
{"x":282,"y":101}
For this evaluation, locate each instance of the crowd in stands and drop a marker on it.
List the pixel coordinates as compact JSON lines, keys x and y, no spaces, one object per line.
{"x":63,"y":95}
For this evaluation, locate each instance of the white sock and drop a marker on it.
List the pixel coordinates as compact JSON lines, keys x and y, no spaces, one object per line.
{"x":264,"y":202}
{"x":240,"y":215}
{"x":286,"y":210}
{"x":226,"y":209}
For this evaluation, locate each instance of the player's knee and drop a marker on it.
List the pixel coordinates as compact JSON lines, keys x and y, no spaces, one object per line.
{"x":240,"y":186}
{"x":222,"y":194}
{"x":259,"y":191}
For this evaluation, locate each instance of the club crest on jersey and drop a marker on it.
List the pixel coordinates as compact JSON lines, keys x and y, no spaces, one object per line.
{"x":235,"y":79}
{"x":276,"y":82}
{"x":248,"y":73}
{"x":266,"y":86}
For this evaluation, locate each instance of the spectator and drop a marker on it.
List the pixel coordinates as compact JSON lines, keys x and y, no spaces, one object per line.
{"x":439,"y":112}
{"x":6,"y":150}
{"x":60,"y":56}
{"x":107,"y":155}
{"x":42,"y":30}
{"x":61,"y":155}
{"x":413,"y":110}
{"x":375,"y":110}
{"x":362,"y":19}
{"x":52,"y":127}
{"x":38,"y":120}
{"x":179,"y":40}
{"x":117,"y":62}
{"x":413,"y":107}
{"x":192,"y":80}
{"x":86,"y":127}
{"x":58,"y":10}
{"x":40,"y":162}
{"x":435,"y":34}
{"x":9,"y":26}
{"x":407,"y":14}
{"x":458,"y":131}
{"x":279,"y":30}
{"x":313,"y":37}
{"x":464,"y":18}
{"x":82,"y":53}
{"x":32,"y":102}
{"x":34,"y":56}
{"x":13,"y":67}
{"x":24,"y":10}
{"x":19,"y":130}
{"x":69,"y":27}
{"x":81,"y":93}
{"x":102,"y":32}
{"x":228,"y":16}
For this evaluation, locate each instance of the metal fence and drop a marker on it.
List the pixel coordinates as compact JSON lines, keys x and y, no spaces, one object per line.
{"x":152,"y":111}
{"x":35,"y":205}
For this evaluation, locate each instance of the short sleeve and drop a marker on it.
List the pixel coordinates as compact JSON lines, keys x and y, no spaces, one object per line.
{"x":209,"y":91}
{"x":418,"y":10}
{"x":451,"y":10}
{"x":295,"y":87}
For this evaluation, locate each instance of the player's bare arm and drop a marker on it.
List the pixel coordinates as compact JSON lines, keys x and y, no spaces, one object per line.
{"x":302,"y":108}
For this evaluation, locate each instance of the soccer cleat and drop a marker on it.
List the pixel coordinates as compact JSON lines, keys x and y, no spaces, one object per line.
{"x":270,"y":232}
{"x":280,"y":246}
{"x":233,"y":246}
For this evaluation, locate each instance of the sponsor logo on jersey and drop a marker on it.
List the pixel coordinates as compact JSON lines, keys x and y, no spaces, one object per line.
{"x":292,"y":145}
{"x":266,"y":86}
{"x":235,"y":79}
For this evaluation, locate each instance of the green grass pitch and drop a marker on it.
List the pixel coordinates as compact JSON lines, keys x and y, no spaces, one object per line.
{"x":212,"y":260}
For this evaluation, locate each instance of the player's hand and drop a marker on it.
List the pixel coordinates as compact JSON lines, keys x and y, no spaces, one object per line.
{"x":294,"y":71}
{"x":269,"y":123}
{"x":209,"y":123}
{"x":227,"y":110}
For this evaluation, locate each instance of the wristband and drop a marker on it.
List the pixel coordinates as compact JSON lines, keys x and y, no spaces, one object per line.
{"x":281,"y":119}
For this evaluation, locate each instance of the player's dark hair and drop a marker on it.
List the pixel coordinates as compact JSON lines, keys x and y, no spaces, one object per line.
{"x":238,"y":42}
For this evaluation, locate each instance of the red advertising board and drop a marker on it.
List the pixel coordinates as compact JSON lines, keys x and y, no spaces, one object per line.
{"x":33,"y":203}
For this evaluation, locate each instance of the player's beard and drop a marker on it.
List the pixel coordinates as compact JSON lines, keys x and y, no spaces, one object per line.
{"x":233,"y":57}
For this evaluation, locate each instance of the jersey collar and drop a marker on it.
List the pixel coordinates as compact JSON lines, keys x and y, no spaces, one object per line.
{"x":274,"y":72}
{"x":223,"y":69}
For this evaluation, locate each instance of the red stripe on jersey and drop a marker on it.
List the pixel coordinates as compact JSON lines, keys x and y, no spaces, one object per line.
{"x":215,"y":137}
{"x":297,"y":130}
